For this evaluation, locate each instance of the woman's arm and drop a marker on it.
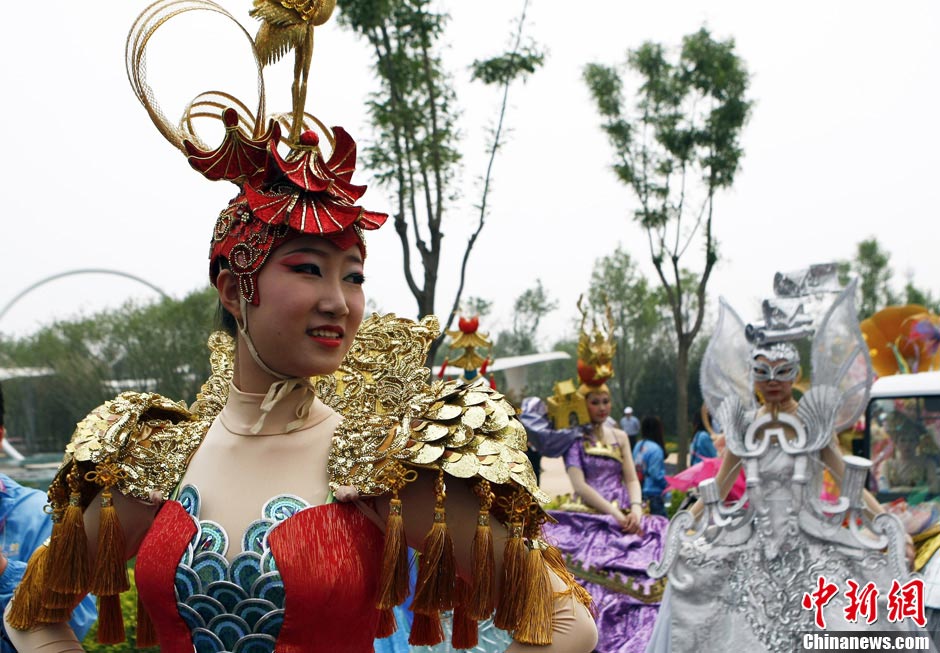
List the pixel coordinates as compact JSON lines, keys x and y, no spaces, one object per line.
{"x":632,"y":482}
{"x":136,"y":518}
{"x":725,"y":478}
{"x":832,"y":457}
{"x":573,"y":628}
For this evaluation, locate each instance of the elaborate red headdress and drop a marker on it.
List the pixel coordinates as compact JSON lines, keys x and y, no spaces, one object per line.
{"x":281,"y":196}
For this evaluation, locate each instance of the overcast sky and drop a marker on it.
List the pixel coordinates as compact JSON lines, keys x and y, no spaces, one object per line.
{"x":843,"y":144}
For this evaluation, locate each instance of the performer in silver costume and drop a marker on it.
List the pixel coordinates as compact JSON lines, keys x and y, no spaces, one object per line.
{"x":745,"y":574}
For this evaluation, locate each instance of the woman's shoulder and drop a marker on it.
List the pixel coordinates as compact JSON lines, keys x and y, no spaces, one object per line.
{"x":137,"y":443}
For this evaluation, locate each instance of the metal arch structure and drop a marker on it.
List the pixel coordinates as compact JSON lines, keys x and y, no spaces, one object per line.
{"x":68,"y":273}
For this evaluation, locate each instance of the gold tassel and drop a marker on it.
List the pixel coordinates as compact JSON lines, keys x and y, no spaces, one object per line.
{"x":27,"y":602}
{"x":464,"y":634}
{"x":110,"y":620}
{"x":535,"y":626}
{"x":426,"y":630}
{"x":68,"y":568}
{"x":481,"y":600}
{"x":511,"y":604}
{"x":146,"y":634}
{"x":57,"y":600}
{"x":109,"y":577}
{"x":393,"y":580}
{"x":387,"y":624}
{"x":437,"y":570}
{"x":50,"y":615}
{"x":556,"y":563}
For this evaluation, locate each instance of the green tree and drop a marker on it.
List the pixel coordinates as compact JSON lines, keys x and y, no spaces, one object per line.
{"x":872,"y":266}
{"x":159,"y":347}
{"x":529,"y":309}
{"x":678,"y":149}
{"x":415,"y":117}
{"x":915,"y":295}
{"x":636,"y":309}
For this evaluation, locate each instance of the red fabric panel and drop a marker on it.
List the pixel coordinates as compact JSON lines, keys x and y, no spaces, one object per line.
{"x":329,"y":558}
{"x":155,"y":572}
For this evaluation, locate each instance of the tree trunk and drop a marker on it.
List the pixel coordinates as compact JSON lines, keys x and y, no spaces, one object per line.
{"x":682,"y":402}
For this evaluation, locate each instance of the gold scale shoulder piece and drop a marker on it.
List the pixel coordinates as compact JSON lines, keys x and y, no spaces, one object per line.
{"x":149,"y":437}
{"x":394,"y":417}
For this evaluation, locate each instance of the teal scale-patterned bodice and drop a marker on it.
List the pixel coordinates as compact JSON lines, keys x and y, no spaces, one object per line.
{"x":235,"y":606}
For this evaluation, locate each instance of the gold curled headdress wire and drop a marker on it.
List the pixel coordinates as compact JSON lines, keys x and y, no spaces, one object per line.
{"x":286,"y":25}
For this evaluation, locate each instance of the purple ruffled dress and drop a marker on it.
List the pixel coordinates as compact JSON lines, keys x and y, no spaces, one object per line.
{"x":610,"y":564}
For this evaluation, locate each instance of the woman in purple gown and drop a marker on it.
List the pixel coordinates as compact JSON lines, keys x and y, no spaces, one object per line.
{"x":607,"y":540}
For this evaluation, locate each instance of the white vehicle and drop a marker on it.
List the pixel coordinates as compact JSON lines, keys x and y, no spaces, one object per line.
{"x":902,"y":439}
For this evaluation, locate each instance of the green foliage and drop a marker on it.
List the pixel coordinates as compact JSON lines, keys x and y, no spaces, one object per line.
{"x":675,"y":148}
{"x":528,"y":311}
{"x":872,"y":265}
{"x":508,"y":67}
{"x":129,"y":610}
{"x":158,"y":347}
{"x":414,"y":112}
{"x":637,"y":313}
{"x":675,"y":500}
{"x":477,"y":306}
{"x":915,"y":295}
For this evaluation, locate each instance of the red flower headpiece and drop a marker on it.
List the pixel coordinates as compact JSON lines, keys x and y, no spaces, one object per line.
{"x":281,"y":197}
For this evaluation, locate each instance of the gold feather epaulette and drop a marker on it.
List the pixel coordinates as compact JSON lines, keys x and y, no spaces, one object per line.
{"x":144,"y":437}
{"x":137,"y":444}
{"x":395,"y":423}
{"x":394,"y":417}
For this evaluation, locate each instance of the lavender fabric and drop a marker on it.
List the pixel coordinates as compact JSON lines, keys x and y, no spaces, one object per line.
{"x":605,"y":560}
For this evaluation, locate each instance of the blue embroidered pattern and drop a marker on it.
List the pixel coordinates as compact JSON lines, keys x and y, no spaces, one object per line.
{"x":235,"y":607}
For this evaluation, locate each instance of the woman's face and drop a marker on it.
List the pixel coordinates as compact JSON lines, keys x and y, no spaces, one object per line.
{"x":598,"y":405}
{"x":907,"y":444}
{"x":774,"y":379}
{"x":311,"y":306}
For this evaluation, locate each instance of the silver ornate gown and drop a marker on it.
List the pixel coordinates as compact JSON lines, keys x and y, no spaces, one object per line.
{"x":743,"y":577}
{"x":744,"y":585}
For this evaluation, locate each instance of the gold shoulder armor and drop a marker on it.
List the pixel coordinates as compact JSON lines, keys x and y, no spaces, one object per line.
{"x":394,"y":416}
{"x":144,"y":439}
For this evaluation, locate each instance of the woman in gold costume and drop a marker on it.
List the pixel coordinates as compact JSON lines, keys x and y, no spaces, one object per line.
{"x":275,"y":512}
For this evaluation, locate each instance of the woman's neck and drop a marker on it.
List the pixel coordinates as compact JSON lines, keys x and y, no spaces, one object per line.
{"x":247,"y":375}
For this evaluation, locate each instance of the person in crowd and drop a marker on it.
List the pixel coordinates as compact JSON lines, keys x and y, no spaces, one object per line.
{"x":24,"y":526}
{"x":630,"y":425}
{"x":756,"y":574}
{"x":650,"y":457}
{"x":702,"y":444}
{"x":606,"y":538}
{"x":275,"y":513}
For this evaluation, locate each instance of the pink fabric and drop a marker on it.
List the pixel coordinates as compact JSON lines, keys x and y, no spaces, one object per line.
{"x":706,"y":469}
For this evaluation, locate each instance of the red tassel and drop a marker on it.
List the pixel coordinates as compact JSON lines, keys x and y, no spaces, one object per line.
{"x":426,"y":630}
{"x":465,"y":632}
{"x":440,"y":374}
{"x":110,"y":620}
{"x":387,"y":623}
{"x":110,"y":572}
